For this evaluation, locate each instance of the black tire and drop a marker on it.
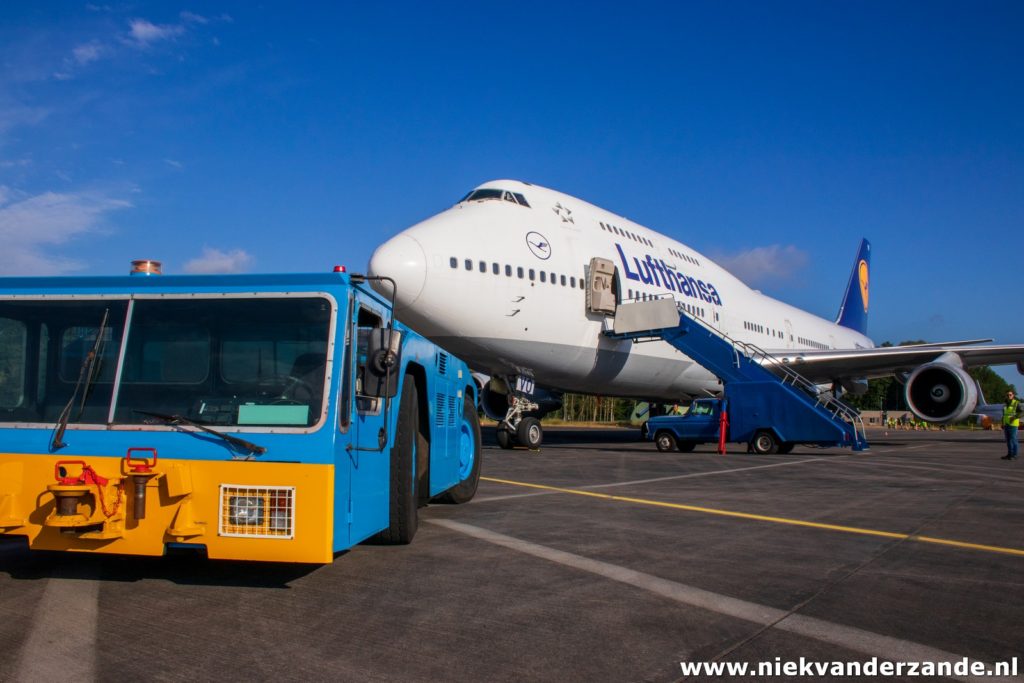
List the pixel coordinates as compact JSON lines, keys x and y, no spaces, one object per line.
{"x":764,"y":443}
{"x":686,"y":446}
{"x":665,"y":441}
{"x":403,"y":498}
{"x":422,"y":469}
{"x":469,"y":458}
{"x":529,"y":433}
{"x":506,"y":439}
{"x":785,"y":447}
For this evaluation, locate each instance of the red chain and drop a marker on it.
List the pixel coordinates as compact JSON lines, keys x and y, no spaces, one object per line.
{"x":117,"y":503}
{"x":90,"y":477}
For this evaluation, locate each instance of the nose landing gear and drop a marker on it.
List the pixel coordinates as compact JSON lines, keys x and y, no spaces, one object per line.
{"x":519,"y":428}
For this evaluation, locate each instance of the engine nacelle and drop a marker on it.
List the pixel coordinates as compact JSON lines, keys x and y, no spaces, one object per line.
{"x":940,"y":392}
{"x":494,"y":399}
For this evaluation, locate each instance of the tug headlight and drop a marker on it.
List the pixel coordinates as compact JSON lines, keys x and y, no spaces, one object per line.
{"x":245,"y":511}
{"x":257,"y":511}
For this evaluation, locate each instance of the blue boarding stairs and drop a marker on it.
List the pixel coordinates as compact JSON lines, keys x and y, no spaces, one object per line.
{"x":762,"y":392}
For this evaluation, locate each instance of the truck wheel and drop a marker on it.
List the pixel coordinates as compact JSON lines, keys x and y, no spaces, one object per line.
{"x":529,"y":433}
{"x":686,"y":446}
{"x":469,"y":458}
{"x":402,"y":498}
{"x":665,"y":441}
{"x":764,"y":443}
{"x":506,"y":439}
{"x":785,"y":447}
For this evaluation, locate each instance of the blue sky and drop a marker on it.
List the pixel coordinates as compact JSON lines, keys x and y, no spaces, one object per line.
{"x":239,"y":136}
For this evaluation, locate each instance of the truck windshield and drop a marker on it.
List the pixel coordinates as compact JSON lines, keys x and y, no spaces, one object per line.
{"x":258,"y":361}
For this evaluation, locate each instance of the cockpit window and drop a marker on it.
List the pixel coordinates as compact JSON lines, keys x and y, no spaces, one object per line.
{"x":480,"y":195}
{"x":493,"y":193}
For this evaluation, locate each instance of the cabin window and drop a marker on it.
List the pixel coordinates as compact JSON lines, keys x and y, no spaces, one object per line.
{"x":453,"y":262}
{"x":533,"y":275}
{"x":495,"y":268}
{"x":519,"y":272}
{"x":483,"y":266}
{"x":543,"y":276}
{"x":508,"y":270}
{"x":563,"y":281}
{"x":469,"y":264}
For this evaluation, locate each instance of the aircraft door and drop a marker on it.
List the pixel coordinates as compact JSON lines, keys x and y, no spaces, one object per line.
{"x":789,"y":335}
{"x":602,"y":287}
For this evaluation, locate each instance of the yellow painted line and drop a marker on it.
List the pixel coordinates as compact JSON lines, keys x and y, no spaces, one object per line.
{"x":766,"y":518}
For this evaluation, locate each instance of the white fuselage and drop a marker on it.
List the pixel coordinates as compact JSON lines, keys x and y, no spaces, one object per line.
{"x":477,"y":279}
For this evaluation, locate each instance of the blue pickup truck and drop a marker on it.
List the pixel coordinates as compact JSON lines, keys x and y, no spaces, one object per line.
{"x":701,"y":425}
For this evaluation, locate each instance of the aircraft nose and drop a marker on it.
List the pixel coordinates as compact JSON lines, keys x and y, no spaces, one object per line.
{"x":403,"y":260}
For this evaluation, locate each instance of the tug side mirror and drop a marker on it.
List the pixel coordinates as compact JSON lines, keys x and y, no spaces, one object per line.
{"x":383,"y":362}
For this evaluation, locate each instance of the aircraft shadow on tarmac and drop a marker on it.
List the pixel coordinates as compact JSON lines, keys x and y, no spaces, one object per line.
{"x":579,"y":436}
{"x":612,"y":440}
{"x":594,"y":437}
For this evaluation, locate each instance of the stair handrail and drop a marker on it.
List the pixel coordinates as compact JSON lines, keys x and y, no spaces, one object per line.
{"x":831,"y":402}
{"x":766,"y":360}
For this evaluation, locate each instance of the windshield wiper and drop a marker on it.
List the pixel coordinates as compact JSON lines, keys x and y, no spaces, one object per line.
{"x":241,"y":444}
{"x":87,"y":374}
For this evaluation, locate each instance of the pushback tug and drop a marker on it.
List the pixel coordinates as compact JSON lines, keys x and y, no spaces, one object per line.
{"x":258,"y":417}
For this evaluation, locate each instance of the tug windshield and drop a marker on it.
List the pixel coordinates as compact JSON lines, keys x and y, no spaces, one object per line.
{"x":239,"y":362}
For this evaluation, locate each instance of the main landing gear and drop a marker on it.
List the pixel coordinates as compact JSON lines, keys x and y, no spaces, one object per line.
{"x":520,"y":428}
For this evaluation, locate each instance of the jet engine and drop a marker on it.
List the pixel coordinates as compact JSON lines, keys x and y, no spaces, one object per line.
{"x":941,"y":391}
{"x":494,"y":398}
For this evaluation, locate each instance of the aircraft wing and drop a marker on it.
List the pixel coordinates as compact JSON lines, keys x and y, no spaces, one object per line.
{"x":883,"y":361}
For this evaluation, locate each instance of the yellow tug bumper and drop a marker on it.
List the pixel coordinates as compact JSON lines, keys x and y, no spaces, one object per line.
{"x":278,"y":512}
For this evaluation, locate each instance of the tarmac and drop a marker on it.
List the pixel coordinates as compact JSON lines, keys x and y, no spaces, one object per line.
{"x":597,"y":558}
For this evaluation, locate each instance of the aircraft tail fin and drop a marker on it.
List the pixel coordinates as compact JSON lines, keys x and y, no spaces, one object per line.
{"x":853,"y":313}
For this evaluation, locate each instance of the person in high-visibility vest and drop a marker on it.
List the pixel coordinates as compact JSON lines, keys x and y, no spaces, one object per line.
{"x":1011,"y":421}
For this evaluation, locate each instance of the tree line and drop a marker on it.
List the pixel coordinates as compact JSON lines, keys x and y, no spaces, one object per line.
{"x":885,"y":393}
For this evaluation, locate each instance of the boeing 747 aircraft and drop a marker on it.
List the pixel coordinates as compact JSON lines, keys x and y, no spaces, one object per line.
{"x":520,"y":281}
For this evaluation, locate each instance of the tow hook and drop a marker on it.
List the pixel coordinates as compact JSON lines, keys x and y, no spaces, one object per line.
{"x":141,"y":471}
{"x":71,"y":492}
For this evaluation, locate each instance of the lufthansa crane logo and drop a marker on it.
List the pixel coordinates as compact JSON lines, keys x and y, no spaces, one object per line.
{"x":539,"y":245}
{"x":862,"y":275}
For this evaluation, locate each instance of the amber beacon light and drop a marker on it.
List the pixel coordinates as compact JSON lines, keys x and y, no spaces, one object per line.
{"x":145,"y":267}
